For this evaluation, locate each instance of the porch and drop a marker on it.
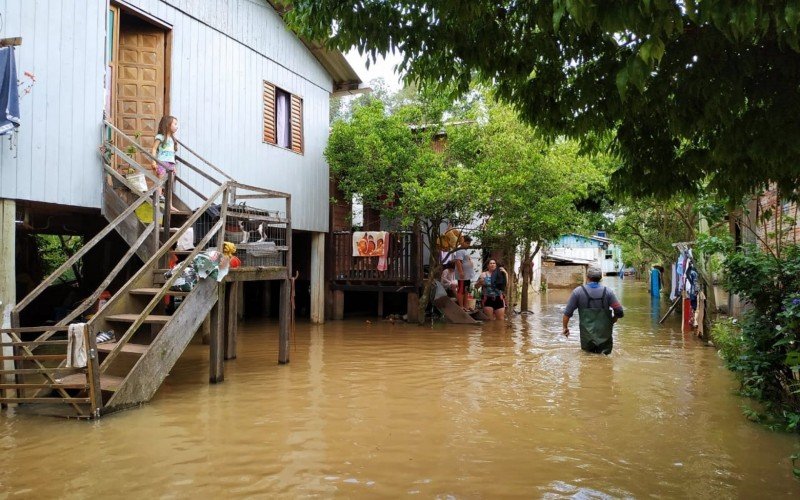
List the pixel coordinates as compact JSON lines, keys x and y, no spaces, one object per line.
{"x":348,"y":274}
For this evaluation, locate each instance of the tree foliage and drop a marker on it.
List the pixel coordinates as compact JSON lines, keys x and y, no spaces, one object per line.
{"x":393,"y":167}
{"x":492,"y":167}
{"x":691,"y":92}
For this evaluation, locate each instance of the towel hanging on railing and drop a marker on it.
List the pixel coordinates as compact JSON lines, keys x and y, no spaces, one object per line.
{"x":77,"y":356}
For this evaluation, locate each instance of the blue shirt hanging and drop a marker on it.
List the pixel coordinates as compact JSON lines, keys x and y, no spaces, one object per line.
{"x":9,"y":99}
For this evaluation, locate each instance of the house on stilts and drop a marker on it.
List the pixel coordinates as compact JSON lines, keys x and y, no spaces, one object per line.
{"x":252,"y":100}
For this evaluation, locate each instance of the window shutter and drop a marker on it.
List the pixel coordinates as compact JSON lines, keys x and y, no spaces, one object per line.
{"x":297,"y":124}
{"x":269,"y":113}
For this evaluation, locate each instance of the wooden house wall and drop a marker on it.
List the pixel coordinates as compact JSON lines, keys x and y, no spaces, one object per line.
{"x":783,"y":221}
{"x":55,"y":159}
{"x":222,"y":51}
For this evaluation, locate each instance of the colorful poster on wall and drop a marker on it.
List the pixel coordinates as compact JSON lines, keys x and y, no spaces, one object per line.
{"x":370,"y":243}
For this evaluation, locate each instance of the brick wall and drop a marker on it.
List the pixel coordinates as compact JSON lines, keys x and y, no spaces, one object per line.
{"x":563,"y":276}
{"x":783,"y":218}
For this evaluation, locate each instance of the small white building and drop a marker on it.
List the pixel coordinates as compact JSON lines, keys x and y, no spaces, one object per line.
{"x":597,"y":249}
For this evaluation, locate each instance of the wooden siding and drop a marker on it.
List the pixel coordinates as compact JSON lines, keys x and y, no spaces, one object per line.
{"x":56,"y":157}
{"x":222,"y":52}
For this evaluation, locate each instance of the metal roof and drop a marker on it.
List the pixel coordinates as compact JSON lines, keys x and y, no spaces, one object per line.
{"x":345,"y":78}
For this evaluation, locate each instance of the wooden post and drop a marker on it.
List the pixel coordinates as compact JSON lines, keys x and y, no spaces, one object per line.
{"x":217,"y":350}
{"x":205,"y":330}
{"x":157,"y":239}
{"x":286,"y":312}
{"x":232,"y":321}
{"x":412,"y":313}
{"x":380,"y":304}
{"x":168,"y":188}
{"x":338,"y":304}
{"x":318,"y":278}
{"x":93,"y":372}
{"x":8,"y":290}
{"x":239,"y":300}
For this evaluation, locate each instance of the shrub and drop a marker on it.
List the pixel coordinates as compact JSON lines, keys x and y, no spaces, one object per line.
{"x":727,"y":337}
{"x":767,"y":354}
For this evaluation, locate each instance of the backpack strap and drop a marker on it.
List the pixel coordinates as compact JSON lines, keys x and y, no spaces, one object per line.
{"x":589,"y":298}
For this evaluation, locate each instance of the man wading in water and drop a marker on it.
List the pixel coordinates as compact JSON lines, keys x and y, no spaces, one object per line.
{"x":594,"y":303}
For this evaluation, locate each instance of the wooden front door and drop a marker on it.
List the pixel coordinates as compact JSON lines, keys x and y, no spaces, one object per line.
{"x":140,"y":81}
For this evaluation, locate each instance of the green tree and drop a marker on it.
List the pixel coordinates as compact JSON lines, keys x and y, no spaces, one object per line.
{"x":530,"y":186}
{"x":691,"y":92}
{"x":395,"y":170}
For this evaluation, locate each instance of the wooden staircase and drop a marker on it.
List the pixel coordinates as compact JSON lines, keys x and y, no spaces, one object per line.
{"x":149,"y":340}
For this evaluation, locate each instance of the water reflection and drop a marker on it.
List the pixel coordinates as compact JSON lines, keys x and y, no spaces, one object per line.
{"x":388,"y":410}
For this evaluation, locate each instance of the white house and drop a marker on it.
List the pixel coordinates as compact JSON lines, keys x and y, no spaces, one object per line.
{"x":250,"y":96}
{"x":597,"y":249}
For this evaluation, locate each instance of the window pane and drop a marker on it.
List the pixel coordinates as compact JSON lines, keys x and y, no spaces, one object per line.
{"x":282,"y":118}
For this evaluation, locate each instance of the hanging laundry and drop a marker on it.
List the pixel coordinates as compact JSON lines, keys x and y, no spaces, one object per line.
{"x":77,"y":356}
{"x":9,"y":99}
{"x":383,"y":261}
{"x":370,"y":243}
{"x":680,"y":268}
{"x":673,"y":294}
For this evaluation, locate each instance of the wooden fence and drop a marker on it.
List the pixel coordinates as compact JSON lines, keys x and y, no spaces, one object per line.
{"x":402,"y":267}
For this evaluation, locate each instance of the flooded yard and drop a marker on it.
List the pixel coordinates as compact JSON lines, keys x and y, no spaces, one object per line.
{"x":380,"y":409}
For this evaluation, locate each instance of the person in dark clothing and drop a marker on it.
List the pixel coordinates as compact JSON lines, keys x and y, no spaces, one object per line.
{"x":595,"y":304}
{"x":493,"y":288}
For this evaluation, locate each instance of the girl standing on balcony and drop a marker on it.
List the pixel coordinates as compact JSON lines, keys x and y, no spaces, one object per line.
{"x":164,"y":147}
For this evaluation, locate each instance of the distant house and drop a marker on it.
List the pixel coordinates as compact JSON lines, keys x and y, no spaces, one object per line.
{"x":597,"y":250}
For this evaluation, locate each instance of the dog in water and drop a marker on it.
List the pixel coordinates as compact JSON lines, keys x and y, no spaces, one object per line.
{"x":251,"y":226}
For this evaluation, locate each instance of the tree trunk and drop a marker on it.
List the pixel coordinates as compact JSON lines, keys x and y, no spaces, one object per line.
{"x":435,"y":268}
{"x":526,"y":270}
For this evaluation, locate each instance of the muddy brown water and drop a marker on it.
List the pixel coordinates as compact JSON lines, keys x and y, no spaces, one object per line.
{"x":387,"y":410}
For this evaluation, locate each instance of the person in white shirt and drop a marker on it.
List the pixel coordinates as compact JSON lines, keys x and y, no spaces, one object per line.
{"x":464,"y":271}
{"x":448,"y":280}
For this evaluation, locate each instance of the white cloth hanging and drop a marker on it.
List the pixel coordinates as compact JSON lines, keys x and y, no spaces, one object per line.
{"x":77,"y":356}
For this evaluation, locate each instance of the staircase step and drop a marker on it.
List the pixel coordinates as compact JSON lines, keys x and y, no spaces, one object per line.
{"x":127,"y":348}
{"x":154,"y":291}
{"x":107,"y":382}
{"x":130,"y":318}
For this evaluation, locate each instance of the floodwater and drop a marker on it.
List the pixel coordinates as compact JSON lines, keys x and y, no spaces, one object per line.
{"x":375,"y":409}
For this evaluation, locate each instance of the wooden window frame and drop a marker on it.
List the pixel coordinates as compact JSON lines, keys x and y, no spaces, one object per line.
{"x":269,"y":133}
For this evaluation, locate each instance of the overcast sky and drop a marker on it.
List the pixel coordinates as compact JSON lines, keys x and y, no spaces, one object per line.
{"x":384,"y":68}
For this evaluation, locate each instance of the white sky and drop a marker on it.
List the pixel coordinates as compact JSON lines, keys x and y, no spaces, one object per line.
{"x":384,"y":68}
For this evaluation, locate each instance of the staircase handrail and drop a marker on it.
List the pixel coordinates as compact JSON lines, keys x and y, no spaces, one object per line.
{"x":136,"y":145}
{"x":151,"y":263}
{"x":214,"y":167}
{"x":52,"y":277}
{"x":49,"y":372}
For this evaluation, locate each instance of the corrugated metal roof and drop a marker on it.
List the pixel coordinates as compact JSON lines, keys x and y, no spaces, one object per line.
{"x":345,"y":78}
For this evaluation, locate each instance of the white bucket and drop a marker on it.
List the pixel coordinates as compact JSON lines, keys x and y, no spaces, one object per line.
{"x":138,"y":181}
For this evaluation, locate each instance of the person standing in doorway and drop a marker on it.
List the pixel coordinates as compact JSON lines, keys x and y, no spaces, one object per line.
{"x":598,"y":310}
{"x":464,"y":271}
